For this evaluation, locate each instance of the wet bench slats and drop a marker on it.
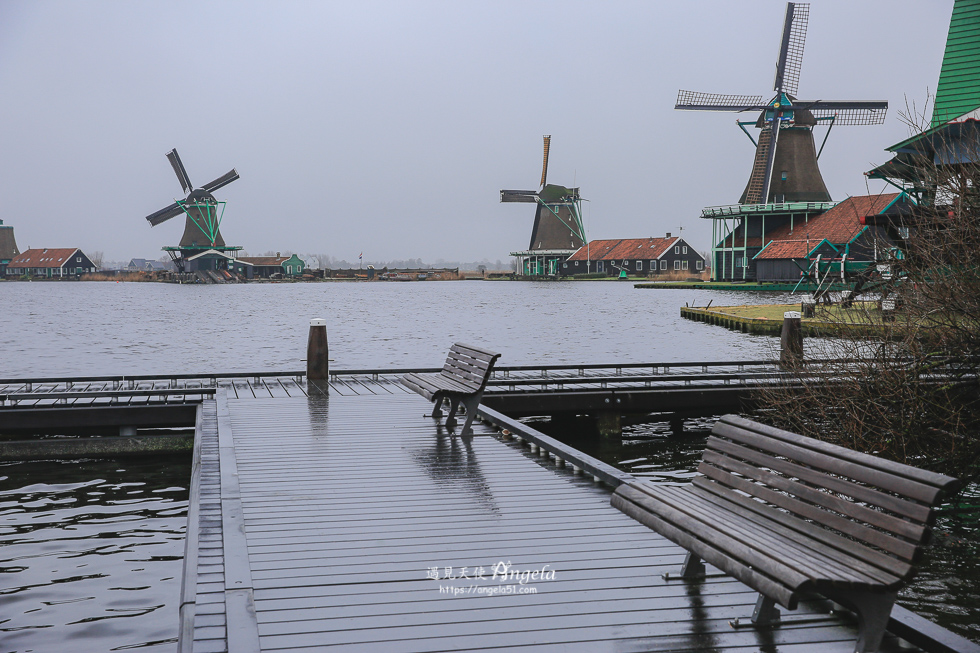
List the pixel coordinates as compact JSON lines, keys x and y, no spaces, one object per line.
{"x":462,"y":379}
{"x":789,"y":515}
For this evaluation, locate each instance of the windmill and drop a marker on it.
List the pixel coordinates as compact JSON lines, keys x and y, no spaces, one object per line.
{"x":203,"y":215}
{"x":785,"y":167}
{"x":558,"y":231}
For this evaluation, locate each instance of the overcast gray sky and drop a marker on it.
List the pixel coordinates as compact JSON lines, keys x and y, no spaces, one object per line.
{"x":389,"y":127}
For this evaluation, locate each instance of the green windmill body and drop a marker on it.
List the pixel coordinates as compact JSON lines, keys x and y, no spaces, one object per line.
{"x":201,"y":246}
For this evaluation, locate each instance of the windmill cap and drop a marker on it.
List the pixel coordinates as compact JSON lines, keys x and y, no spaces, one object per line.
{"x":319,"y":321}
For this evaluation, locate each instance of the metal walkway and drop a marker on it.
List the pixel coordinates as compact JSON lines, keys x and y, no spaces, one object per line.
{"x":333,"y":522}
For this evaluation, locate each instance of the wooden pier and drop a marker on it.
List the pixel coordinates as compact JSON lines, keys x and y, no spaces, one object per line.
{"x":332,"y":522}
{"x":353,"y":521}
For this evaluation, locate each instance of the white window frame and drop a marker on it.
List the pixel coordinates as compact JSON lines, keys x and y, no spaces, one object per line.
{"x":639,"y":266}
{"x":685,"y":249}
{"x":684,"y":265}
{"x":663,"y":264}
{"x":677,"y":265}
{"x":677,"y":249}
{"x":699,"y":265}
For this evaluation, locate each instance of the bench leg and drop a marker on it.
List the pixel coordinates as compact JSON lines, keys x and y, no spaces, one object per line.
{"x":453,"y":407}
{"x":693,"y":567}
{"x":765,"y":612}
{"x":437,"y":408}
{"x":471,"y":405}
{"x":873,"y":610}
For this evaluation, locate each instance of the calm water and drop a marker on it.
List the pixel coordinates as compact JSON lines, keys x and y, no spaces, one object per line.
{"x":143,"y":328}
{"x":91,"y":550}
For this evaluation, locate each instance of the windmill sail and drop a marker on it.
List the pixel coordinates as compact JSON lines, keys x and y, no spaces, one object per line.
{"x":785,"y":168}
{"x":200,"y":208}
{"x":557,"y":216}
{"x":791,"y":48}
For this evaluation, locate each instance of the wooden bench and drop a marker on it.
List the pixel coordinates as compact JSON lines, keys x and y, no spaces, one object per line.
{"x":791,"y":516}
{"x":461,"y":380}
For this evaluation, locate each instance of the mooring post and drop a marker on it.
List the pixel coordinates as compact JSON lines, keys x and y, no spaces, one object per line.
{"x":791,"y":341}
{"x":887,"y":310}
{"x":317,"y":356}
{"x":609,"y":424}
{"x":808,"y":306}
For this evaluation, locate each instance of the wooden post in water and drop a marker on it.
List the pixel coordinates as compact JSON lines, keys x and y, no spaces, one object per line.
{"x":609,"y":424}
{"x":317,"y":356}
{"x":791,"y":341}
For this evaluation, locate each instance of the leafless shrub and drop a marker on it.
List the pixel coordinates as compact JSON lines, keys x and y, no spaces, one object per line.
{"x":908,"y":392}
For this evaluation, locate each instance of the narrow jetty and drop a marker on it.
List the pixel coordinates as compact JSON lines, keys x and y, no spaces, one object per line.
{"x":352,"y":520}
{"x":355,"y":522}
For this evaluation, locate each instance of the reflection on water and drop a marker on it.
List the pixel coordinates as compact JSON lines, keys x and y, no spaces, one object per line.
{"x":452,"y":464}
{"x":91,"y":552}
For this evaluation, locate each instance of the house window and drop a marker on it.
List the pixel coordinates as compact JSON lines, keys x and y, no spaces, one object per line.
{"x":677,"y":265}
{"x":663,"y":264}
{"x":78,"y":259}
{"x":576,"y":263}
{"x":639,"y":265}
{"x":699,"y":265}
{"x":600,"y":266}
{"x":677,"y":249}
{"x":684,"y":265}
{"x":684,"y":249}
{"x":564,"y":265}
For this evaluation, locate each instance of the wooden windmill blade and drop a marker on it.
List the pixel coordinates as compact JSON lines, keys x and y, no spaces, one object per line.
{"x":849,"y":113}
{"x":544,"y":165}
{"x":222,"y":181}
{"x":185,"y":181}
{"x":790,"y":59}
{"x":697,"y":101}
{"x":164,"y":214}
{"x":787,"y":79}
{"x":526,"y":196}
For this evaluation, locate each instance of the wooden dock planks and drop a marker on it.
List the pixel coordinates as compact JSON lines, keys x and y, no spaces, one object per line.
{"x":347,"y":502}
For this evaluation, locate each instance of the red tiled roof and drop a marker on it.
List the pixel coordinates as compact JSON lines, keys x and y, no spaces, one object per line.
{"x":42,"y":258}
{"x":839,"y":224}
{"x":787,"y":249}
{"x":623,"y":248}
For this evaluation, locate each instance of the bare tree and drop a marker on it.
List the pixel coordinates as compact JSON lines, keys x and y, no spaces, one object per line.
{"x":97,"y":257}
{"x":322,"y":261}
{"x":903,"y":383}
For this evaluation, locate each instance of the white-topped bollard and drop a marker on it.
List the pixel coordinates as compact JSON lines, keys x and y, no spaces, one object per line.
{"x":791,"y":341}
{"x":887,"y":310}
{"x":317,"y":355}
{"x":808,"y":306}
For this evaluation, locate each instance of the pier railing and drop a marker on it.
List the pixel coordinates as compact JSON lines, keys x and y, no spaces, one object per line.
{"x":505,"y":379}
